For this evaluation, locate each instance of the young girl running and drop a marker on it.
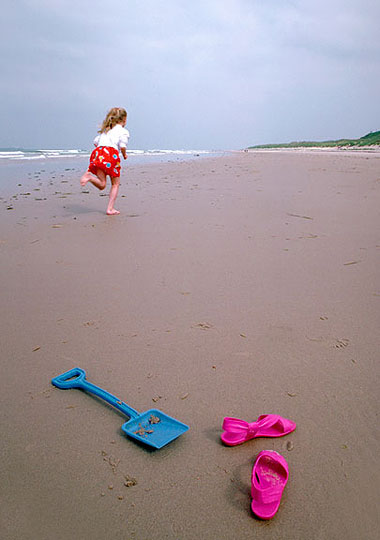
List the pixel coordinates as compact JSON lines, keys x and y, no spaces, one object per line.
{"x":105,"y":159}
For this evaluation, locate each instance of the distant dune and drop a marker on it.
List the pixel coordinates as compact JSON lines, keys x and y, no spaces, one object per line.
{"x":370,"y":139}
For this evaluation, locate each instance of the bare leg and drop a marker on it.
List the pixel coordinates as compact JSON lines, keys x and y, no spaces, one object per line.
{"x":99,"y":180}
{"x":113,"y":194}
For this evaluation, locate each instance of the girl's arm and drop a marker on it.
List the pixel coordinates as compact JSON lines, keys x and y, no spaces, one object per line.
{"x":123,"y":142}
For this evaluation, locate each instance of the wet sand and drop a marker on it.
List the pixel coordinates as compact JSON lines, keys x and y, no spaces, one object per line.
{"x":232,"y":286}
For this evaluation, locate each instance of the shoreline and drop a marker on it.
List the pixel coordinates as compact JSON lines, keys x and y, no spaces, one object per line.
{"x":315,"y":149}
{"x":22,"y":171}
{"x":228,"y":286}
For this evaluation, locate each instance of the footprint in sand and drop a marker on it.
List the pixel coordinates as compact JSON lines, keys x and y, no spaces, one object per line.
{"x":330,"y":341}
{"x":203,"y":326}
{"x":341,"y":343}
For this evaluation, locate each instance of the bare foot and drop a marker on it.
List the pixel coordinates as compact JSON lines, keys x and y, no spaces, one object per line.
{"x":112,"y":212}
{"x":85,"y":178}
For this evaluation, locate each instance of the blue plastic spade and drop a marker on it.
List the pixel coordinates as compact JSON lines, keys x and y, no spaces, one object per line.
{"x":152,"y":427}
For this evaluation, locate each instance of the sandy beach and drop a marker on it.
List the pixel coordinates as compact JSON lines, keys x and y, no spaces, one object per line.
{"x":241,"y":285}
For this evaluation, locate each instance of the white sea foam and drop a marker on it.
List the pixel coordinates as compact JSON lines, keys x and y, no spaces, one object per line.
{"x":21,"y":154}
{"x":11,"y":155}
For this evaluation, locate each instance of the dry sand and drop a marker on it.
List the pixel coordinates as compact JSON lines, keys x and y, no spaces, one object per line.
{"x":236,"y":286}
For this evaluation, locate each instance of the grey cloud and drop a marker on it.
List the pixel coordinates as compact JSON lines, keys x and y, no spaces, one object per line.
{"x":205,"y":74}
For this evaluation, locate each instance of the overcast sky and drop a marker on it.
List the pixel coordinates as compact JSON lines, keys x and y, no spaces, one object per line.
{"x":211,"y":74}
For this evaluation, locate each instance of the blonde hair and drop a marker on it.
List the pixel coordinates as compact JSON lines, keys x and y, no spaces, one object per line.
{"x":115,"y":116}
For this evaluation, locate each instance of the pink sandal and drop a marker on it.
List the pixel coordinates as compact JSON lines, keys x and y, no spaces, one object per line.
{"x":269,"y":477}
{"x":267,"y":425}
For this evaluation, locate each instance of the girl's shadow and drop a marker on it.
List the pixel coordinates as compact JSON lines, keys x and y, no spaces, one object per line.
{"x":75,"y":209}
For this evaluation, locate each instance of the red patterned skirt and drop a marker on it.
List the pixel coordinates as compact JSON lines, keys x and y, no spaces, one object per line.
{"x":107,"y":159}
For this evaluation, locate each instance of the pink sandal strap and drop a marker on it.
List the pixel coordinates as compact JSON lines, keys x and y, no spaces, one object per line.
{"x":241,"y":427}
{"x":266,"y":496}
{"x":266,"y":421}
{"x":249,"y":429}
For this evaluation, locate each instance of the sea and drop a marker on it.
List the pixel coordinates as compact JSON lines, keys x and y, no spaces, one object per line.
{"x":138,"y":156}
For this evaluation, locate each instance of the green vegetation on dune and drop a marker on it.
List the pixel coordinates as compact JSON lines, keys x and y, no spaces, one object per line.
{"x":370,"y":139}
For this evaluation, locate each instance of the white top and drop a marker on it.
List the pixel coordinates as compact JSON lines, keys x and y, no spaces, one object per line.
{"x":117,"y":137}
